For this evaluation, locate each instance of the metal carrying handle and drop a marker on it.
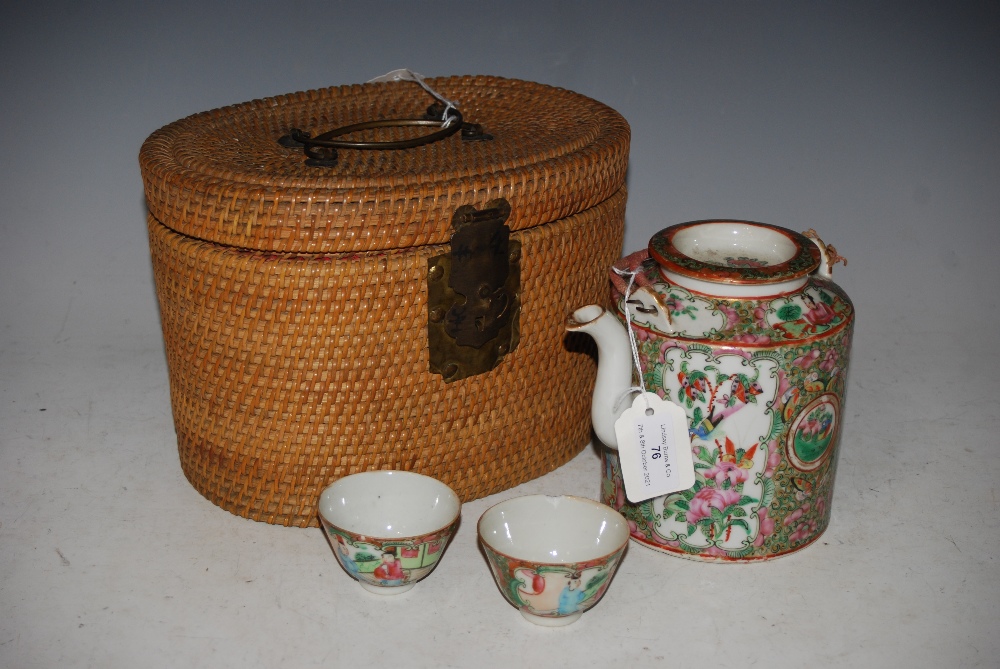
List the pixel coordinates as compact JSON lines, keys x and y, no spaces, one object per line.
{"x":321,"y":150}
{"x":326,"y":140}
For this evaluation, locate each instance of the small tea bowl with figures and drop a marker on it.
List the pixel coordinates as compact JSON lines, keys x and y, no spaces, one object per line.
{"x":553,"y":557}
{"x":388,"y":529}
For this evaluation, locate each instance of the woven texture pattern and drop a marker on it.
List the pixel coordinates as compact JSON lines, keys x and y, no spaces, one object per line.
{"x":293,"y":299}
{"x":288,"y":372}
{"x":222,"y":176}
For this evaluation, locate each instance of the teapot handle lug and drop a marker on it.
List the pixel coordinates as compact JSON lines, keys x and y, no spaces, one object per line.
{"x":829,"y":254}
{"x":650,"y":308}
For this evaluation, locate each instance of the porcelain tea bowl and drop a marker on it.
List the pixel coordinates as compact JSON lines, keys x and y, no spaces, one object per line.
{"x":553,"y":557}
{"x":388,"y":529}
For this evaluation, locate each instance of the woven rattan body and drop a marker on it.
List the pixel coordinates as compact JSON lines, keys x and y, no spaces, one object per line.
{"x":293,"y":298}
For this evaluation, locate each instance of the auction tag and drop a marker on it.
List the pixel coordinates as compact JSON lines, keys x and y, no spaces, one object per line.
{"x":654,"y":448}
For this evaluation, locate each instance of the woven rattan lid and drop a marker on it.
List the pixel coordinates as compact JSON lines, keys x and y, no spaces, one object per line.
{"x":222,"y":175}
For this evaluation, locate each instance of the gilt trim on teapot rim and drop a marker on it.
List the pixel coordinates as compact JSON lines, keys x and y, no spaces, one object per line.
{"x":761,"y":253}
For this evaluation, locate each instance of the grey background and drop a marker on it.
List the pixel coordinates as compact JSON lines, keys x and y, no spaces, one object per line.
{"x":877,"y":124}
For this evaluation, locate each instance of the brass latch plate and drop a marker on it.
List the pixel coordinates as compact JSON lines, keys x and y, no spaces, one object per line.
{"x":473,"y":294}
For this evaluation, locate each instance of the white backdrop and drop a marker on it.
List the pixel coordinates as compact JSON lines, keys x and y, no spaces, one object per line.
{"x":877,"y":124}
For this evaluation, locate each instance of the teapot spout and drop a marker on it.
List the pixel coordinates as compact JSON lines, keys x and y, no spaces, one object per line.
{"x":614,"y":367}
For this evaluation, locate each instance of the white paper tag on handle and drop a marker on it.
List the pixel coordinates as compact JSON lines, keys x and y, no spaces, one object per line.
{"x":654,"y":448}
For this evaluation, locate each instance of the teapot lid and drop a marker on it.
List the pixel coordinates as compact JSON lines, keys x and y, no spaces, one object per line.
{"x":734,"y":252}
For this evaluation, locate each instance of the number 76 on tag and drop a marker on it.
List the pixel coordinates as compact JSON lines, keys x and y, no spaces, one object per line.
{"x":654,"y":448}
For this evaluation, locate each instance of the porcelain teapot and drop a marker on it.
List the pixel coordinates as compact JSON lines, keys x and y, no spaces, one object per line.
{"x":741,"y":325}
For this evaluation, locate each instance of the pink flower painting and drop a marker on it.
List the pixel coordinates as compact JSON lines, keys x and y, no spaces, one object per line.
{"x":707,"y":499}
{"x":750,"y":338}
{"x":674,"y":304}
{"x":732,"y":318}
{"x":806,"y":360}
{"x":723,"y":470}
{"x":773,"y":458}
{"x":760,"y":317}
{"x":765,"y":528}
{"x":805,"y":530}
{"x":829,"y":362}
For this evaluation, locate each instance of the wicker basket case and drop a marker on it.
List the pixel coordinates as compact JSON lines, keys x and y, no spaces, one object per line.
{"x":295,"y":297}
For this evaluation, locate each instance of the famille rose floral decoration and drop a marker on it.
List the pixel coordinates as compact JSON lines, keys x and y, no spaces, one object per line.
{"x":740,"y":324}
{"x":388,"y":563}
{"x":552,"y":591}
{"x":388,"y":529}
{"x":553,"y":557}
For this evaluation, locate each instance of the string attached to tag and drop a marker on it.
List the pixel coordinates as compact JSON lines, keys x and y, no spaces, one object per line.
{"x":654,"y":447}
{"x":641,"y":388}
{"x":404,"y":74}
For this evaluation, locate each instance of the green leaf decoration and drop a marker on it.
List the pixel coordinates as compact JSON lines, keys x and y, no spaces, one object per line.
{"x":825,"y":298}
{"x":790,"y":312}
{"x":795,"y":329}
{"x":646,"y":509}
{"x":740,"y":523}
{"x":688,"y":548}
{"x":515,"y":593}
{"x":717,"y":515}
{"x":747,"y":499}
{"x":594,"y":582}
{"x":681,"y":518}
{"x":659,"y":371}
{"x":675,"y":504}
{"x":767,"y":496}
{"x":741,"y":553}
{"x":632,"y":513}
{"x":739,"y":512}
